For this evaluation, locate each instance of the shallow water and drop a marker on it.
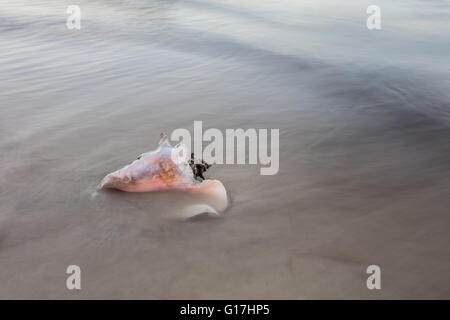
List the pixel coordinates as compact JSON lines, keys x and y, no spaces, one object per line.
{"x":364,"y":119}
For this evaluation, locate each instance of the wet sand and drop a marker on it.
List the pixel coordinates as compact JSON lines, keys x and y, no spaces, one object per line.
{"x":364,"y":123}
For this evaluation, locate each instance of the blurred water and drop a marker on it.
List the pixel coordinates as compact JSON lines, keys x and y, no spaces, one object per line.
{"x":364,"y":149}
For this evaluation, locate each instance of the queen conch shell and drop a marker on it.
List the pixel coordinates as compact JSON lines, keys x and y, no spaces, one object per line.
{"x":167,"y":168}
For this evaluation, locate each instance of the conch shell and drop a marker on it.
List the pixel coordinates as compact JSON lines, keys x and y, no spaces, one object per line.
{"x":167,"y":168}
